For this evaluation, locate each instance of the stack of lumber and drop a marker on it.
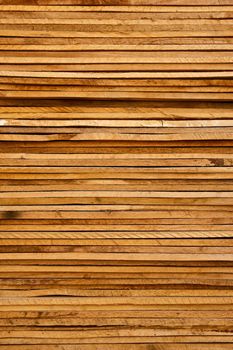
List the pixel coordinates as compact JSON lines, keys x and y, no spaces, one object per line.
{"x":117,"y":220}
{"x":153,"y":49}
{"x":116,"y":175}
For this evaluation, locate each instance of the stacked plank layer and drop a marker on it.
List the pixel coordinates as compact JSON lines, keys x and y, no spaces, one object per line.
{"x":57,"y":50}
{"x":116,"y":176}
{"x":124,"y":242}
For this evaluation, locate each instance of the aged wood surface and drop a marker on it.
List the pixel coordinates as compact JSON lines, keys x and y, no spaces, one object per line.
{"x":116,"y":175}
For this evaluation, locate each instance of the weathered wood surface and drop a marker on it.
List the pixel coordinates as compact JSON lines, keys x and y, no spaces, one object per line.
{"x":116,"y":175}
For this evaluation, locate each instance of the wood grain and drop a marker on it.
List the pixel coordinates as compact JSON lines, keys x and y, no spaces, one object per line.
{"x":116,"y":175}
{"x":143,"y":50}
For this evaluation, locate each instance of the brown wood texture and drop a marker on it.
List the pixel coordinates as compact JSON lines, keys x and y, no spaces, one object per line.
{"x":116,"y":175}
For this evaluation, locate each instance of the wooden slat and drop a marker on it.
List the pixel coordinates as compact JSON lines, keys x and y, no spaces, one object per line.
{"x":116,"y":175}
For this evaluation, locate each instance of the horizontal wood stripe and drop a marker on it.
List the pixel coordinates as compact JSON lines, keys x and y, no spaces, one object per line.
{"x":116,"y":175}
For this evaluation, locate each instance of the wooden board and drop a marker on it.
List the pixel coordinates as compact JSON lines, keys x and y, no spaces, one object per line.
{"x":144,"y":50}
{"x":116,"y":175}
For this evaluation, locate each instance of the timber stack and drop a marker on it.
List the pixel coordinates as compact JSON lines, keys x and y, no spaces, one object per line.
{"x":116,"y":175}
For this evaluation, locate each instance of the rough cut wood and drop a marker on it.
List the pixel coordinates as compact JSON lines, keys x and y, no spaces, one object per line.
{"x":116,"y":175}
{"x":70,"y":49}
